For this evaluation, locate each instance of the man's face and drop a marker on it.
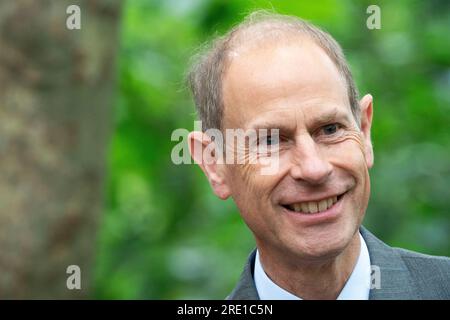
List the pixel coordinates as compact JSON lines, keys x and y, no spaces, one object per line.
{"x":323,"y":155}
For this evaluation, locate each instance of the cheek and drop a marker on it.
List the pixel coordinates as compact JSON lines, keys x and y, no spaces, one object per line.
{"x":349,"y":154}
{"x":349,"y":157}
{"x":251,"y":190}
{"x":248,"y":193}
{"x":245,"y":186}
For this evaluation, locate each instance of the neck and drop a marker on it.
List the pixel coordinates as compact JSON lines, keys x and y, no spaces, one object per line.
{"x":316,"y":279}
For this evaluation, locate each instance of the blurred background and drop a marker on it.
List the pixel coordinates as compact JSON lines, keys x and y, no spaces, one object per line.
{"x":86,"y":118}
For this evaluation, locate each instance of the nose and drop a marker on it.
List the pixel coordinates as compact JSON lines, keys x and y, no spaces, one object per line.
{"x":308,"y":162}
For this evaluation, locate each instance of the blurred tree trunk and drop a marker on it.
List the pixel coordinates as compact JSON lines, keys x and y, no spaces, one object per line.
{"x":56,"y":89}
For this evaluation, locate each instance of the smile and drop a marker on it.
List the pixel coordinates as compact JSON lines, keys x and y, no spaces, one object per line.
{"x":311,"y":207}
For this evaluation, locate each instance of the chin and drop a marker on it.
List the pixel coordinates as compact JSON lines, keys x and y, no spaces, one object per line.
{"x":324,"y":243}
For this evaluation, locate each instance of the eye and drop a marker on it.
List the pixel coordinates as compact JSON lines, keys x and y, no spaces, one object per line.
{"x":269,"y":140}
{"x":330,"y":129}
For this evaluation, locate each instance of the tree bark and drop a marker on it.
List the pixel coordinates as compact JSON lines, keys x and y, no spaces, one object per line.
{"x":56,"y":89}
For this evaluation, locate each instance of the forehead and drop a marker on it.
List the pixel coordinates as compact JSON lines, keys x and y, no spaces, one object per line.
{"x":294,"y":76}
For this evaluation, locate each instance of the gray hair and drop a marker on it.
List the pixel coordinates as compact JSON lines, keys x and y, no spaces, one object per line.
{"x":206,"y":73}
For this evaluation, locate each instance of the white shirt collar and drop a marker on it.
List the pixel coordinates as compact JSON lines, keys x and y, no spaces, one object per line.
{"x":357,"y":286}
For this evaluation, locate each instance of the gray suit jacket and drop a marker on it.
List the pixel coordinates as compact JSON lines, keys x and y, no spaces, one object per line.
{"x":404,"y":274}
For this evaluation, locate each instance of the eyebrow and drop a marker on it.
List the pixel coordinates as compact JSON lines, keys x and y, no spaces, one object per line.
{"x":322,"y":119}
{"x":271,"y":124}
{"x":332,"y":115}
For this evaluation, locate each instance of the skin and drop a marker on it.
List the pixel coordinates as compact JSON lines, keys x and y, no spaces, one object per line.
{"x":295,"y":87}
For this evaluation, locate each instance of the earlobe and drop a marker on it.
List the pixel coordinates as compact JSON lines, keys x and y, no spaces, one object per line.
{"x":204,"y":153}
{"x":366,"y":105}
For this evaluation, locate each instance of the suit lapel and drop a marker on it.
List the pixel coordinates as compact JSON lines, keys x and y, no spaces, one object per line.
{"x":395,"y":281}
{"x":245,"y":288}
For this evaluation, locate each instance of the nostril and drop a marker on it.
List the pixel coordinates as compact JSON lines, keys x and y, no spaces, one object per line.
{"x":311,"y":170}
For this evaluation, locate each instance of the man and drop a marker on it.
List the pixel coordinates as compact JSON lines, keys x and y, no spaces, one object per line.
{"x":281,"y":73}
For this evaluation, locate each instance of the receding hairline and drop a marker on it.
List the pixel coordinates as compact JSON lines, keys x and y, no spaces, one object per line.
{"x":283,"y":40}
{"x":253,"y":31}
{"x":256,"y":28}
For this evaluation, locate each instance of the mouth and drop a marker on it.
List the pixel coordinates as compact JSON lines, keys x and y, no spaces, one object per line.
{"x":314,"y":207}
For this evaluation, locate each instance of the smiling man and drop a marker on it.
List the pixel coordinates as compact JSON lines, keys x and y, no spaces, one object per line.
{"x":281,"y":73}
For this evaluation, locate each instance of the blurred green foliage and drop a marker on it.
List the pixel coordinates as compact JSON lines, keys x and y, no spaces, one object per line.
{"x":165,"y":236}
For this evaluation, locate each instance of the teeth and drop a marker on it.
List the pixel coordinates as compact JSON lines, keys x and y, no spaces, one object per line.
{"x":305,"y":207}
{"x":314,"y":206}
{"x":323,"y":205}
{"x":329,"y":202}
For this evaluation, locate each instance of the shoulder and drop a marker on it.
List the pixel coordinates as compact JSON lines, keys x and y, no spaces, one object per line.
{"x":434,"y":266}
{"x":405,"y":274}
{"x":431,"y":274}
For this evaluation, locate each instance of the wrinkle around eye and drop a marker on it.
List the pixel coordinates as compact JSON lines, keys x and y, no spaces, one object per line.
{"x":344,"y":135}
{"x":251,"y":154}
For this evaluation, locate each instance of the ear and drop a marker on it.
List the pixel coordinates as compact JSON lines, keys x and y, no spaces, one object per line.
{"x":203,"y":151}
{"x":366,"y":105}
